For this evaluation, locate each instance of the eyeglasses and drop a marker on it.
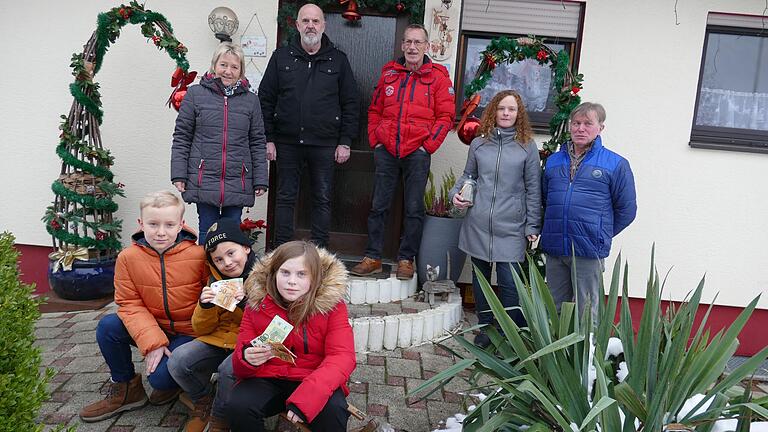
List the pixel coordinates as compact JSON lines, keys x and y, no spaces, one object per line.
{"x":418,"y":43}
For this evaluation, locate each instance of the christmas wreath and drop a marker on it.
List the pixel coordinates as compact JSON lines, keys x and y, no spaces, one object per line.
{"x":567,"y":83}
{"x":289,"y":9}
{"x":80,"y":217}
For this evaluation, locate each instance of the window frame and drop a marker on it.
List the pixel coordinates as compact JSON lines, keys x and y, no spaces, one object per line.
{"x":539,"y":120}
{"x":720,"y":137}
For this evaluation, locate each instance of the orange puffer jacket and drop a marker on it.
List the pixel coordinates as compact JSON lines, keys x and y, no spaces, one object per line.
{"x":156,"y":294}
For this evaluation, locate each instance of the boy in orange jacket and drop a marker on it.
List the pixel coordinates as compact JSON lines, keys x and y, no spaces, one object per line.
{"x":158,"y":280}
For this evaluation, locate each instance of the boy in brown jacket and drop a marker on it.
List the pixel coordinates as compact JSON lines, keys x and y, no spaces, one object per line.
{"x":158,"y":280}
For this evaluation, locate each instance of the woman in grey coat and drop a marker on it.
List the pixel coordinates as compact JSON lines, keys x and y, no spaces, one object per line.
{"x":218,"y":158}
{"x":505,"y":213}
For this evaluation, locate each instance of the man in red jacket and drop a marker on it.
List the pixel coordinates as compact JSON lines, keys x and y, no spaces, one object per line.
{"x":410,"y":115}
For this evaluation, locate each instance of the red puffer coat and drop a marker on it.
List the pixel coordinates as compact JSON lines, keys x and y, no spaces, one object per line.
{"x":411,"y":109}
{"x":324,"y":345}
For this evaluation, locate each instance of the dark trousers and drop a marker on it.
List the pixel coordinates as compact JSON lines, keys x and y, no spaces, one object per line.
{"x":507,"y":289}
{"x":291,"y":160}
{"x":208,"y":214}
{"x":115,"y":343}
{"x":255,"y":399}
{"x":415,"y":171}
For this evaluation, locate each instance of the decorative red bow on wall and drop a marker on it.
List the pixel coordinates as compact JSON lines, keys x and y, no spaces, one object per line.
{"x":179,"y":81}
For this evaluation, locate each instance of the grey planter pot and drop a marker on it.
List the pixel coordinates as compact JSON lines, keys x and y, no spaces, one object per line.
{"x":440,"y":235}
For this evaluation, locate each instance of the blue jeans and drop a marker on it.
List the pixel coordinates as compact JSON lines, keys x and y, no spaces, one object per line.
{"x":507,"y":288}
{"x":115,"y":344}
{"x":415,"y":171}
{"x":208,"y":214}
{"x":224,"y":387}
{"x":192,"y":365}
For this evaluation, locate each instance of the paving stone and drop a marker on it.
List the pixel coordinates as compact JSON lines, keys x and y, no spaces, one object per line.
{"x":48,"y":408}
{"x":86,"y":382}
{"x":423,"y":348}
{"x":386,"y":395}
{"x":397,"y":352}
{"x":415,"y":305}
{"x":436,"y":363}
{"x":89,"y":350}
{"x":82,"y":364}
{"x":376,"y":360}
{"x":439,"y":411}
{"x":85,"y":316}
{"x":387,"y":308}
{"x":408,"y":419}
{"x":149,"y":415}
{"x":403,"y":367}
{"x":48,"y":332}
{"x":412,"y":383}
{"x":83,"y":337}
{"x":47,"y":344}
{"x":122,"y":429}
{"x":61,"y":362}
{"x":157,"y":429}
{"x":377,"y":409}
{"x":57,"y":417}
{"x":357,"y":311}
{"x":368,"y":374}
{"x":173,"y":419}
{"x":395,"y":380}
{"x":53,"y":314}
{"x":83,"y":326}
{"x":101,"y":426}
{"x":49,"y":322}
{"x":458,"y":385}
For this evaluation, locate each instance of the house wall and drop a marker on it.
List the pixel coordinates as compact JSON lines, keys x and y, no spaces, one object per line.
{"x":702,"y":208}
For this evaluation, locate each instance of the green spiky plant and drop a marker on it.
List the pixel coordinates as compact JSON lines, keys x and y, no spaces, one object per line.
{"x":539,"y":375}
{"x":437,"y":203}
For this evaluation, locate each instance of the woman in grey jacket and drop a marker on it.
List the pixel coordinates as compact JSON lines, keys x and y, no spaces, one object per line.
{"x":505,"y":213}
{"x":218,"y":158}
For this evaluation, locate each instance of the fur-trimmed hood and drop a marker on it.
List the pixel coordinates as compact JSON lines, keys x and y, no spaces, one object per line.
{"x":332,"y":290}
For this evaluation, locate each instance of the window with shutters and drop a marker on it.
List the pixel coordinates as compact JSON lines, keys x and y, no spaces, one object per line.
{"x":731,"y":110}
{"x":559,"y":23}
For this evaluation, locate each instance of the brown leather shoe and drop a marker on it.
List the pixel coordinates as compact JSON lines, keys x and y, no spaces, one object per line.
{"x":404,"y":269}
{"x":201,"y":413}
{"x":162,"y":397}
{"x":218,"y":424}
{"x":124,"y":396}
{"x":367,"y":266}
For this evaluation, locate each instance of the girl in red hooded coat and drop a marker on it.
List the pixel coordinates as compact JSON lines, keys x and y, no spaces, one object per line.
{"x":304,"y":286}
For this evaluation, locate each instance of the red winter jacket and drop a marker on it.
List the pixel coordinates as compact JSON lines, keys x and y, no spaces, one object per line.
{"x":324,"y":345}
{"x":411,"y":109}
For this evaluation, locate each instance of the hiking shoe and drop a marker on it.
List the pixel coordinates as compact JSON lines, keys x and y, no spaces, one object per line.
{"x":405,"y":269}
{"x":482,"y":340}
{"x":162,"y":397}
{"x":201,"y":413}
{"x":124,"y":396}
{"x":218,"y":424}
{"x":367,"y":266}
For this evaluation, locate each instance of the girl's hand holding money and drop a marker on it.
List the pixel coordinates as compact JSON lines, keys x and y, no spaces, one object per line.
{"x":207,"y":295}
{"x":258,"y":355}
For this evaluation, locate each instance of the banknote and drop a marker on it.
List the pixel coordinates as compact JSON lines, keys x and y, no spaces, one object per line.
{"x":277,"y":330}
{"x":225,"y":292}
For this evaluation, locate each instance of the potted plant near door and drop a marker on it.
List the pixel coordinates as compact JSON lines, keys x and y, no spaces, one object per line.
{"x":440,"y":234}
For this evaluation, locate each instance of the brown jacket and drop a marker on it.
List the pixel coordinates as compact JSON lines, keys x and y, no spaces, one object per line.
{"x":156,"y":294}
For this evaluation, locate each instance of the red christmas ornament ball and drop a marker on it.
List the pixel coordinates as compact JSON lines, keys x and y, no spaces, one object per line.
{"x":156,"y":40}
{"x":541,"y":55}
{"x":468,"y":130}
{"x":55,"y":224}
{"x":400,"y":7}
{"x":101,"y":235}
{"x":177,"y":98}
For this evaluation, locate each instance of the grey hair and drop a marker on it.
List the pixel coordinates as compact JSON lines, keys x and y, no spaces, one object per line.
{"x":585,"y":108}
{"x":228,"y":48}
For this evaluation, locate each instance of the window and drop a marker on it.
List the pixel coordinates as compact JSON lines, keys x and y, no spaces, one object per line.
{"x":558,"y":23}
{"x":732,"y":101}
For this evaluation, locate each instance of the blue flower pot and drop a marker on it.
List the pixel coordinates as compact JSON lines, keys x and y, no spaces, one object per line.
{"x":87,"y":280}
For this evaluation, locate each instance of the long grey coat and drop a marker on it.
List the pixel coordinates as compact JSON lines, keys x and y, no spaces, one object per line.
{"x":507,"y":204}
{"x":219,"y":148}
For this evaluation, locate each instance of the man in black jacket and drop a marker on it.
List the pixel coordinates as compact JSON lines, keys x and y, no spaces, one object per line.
{"x":310,"y":104}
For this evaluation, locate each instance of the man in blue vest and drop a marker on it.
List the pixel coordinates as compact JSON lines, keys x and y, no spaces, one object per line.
{"x":589,"y":197}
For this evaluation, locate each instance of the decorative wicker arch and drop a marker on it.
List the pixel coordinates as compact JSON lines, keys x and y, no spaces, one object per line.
{"x":505,"y":50}
{"x":80,"y":220}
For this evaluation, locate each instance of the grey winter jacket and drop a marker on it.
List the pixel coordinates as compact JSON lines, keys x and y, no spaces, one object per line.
{"x":507,"y":205}
{"x":219,"y":148}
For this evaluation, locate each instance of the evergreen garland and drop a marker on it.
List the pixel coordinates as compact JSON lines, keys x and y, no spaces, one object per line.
{"x":568,"y":84}
{"x":85,"y":189}
{"x":289,"y":9}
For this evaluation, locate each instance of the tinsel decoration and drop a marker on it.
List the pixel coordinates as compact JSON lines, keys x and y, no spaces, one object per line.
{"x":286,"y":16}
{"x":81,"y":215}
{"x":568,"y":84}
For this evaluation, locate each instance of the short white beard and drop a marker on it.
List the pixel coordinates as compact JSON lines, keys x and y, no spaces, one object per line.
{"x":311,"y":40}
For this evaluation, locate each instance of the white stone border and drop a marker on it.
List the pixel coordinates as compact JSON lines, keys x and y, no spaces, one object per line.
{"x":372,"y":291}
{"x":406,"y":330}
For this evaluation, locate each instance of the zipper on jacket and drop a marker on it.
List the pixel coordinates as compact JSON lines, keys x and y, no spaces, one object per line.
{"x":242,"y":175}
{"x":493,"y":198}
{"x":200,"y":172}
{"x":566,"y":250}
{"x":223,"y":154}
{"x":400,"y":114}
{"x":306,"y":342}
{"x":429,"y":97}
{"x":165,"y":292}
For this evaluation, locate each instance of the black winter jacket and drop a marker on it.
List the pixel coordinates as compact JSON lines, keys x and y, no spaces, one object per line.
{"x":309,"y":99}
{"x":219,"y":148}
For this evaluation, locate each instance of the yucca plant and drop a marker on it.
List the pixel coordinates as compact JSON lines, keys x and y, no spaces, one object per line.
{"x":554,"y":375}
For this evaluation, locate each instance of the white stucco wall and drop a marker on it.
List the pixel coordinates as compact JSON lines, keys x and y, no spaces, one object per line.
{"x":704,"y":209}
{"x":135,"y":84}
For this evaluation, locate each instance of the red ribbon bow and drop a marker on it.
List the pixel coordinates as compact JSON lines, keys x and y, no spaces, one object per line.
{"x":180,"y":80}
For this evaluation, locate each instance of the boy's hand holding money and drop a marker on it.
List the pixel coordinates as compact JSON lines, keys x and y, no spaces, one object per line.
{"x":258,"y":355}
{"x":207,"y":295}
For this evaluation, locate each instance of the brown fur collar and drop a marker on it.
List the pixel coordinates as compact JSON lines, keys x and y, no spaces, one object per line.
{"x":330,"y":293}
